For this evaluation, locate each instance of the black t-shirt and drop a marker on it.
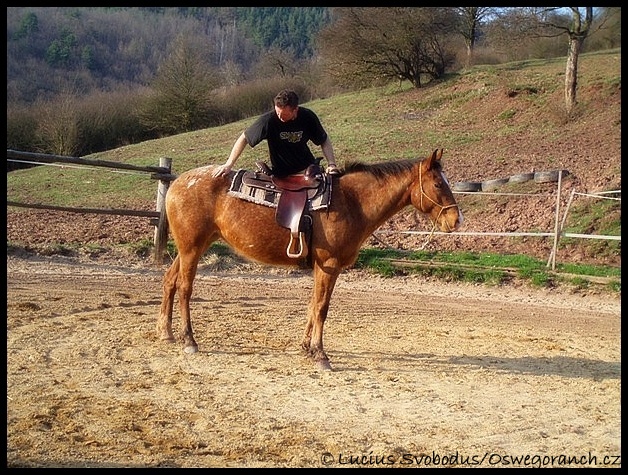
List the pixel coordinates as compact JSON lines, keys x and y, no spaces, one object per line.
{"x":287,"y":141}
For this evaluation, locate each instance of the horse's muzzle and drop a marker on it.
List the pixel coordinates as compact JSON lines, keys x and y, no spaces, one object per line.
{"x":450,"y":219}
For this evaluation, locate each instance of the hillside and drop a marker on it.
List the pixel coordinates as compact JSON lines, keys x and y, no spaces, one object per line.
{"x":492,"y":121}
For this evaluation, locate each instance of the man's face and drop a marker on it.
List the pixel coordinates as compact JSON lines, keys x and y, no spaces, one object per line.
{"x":287,"y":113}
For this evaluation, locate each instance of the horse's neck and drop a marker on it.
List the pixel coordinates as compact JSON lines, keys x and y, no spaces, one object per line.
{"x":380,"y":199}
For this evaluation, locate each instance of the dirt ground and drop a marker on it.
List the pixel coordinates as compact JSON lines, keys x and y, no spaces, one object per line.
{"x":425,"y":373}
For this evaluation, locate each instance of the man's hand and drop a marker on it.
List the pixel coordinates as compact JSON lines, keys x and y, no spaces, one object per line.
{"x":332,"y":170}
{"x":221,"y":170}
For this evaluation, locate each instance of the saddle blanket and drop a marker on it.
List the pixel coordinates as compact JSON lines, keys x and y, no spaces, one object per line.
{"x":265,"y":193}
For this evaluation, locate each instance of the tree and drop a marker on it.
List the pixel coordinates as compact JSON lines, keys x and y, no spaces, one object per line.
{"x":576,"y":30}
{"x":608,"y":34}
{"x":58,"y":128}
{"x":29,"y":25}
{"x":471,"y":19}
{"x":182,"y":91}
{"x":277,"y":63}
{"x":371,"y":44}
{"x":577,"y":33}
{"x":575,"y":23}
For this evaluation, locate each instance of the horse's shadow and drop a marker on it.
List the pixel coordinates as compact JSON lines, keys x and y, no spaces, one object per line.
{"x":361,"y":361}
{"x":564,"y":366}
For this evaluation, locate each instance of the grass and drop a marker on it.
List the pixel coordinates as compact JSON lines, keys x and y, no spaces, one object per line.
{"x":487,"y":268}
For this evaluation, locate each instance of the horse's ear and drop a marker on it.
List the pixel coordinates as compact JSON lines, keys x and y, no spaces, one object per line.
{"x":432,"y":159}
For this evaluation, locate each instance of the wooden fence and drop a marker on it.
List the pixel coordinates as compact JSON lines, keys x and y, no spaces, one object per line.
{"x":163,"y":173}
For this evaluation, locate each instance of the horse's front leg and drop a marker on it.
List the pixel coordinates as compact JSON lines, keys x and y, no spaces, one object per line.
{"x":316,"y":315}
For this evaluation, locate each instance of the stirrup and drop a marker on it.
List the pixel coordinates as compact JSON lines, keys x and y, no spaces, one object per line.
{"x":301,"y":247}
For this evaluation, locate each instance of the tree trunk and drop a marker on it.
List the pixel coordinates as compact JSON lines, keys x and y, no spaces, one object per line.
{"x":571,"y":73}
{"x":469,"y":59}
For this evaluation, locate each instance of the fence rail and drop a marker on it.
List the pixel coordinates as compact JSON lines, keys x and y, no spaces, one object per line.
{"x":46,"y":158}
{"x":163,"y":173}
{"x":121,"y":212}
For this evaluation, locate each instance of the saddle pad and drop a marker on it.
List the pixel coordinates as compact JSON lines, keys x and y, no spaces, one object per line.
{"x":317,"y":199}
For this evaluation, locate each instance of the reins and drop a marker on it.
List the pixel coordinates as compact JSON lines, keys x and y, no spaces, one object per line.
{"x":442,"y":208}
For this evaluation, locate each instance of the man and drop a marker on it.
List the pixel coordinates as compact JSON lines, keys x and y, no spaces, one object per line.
{"x":287,"y":130}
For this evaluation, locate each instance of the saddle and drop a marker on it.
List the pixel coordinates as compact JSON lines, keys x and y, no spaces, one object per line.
{"x":290,"y":195}
{"x":290,"y":209}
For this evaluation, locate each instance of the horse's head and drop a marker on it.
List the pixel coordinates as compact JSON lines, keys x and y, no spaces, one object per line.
{"x":433,"y":195}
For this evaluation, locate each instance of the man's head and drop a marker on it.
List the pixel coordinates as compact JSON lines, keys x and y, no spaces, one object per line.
{"x":286,"y":105}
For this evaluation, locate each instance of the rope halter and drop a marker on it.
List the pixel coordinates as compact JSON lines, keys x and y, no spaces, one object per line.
{"x":442,"y":208}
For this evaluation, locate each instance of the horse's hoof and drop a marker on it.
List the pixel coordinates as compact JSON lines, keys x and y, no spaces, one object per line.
{"x":190,"y":349}
{"x":323,"y":365}
{"x":167,"y":339}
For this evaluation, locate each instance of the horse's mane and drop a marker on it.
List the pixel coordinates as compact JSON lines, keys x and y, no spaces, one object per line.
{"x":382,"y":169}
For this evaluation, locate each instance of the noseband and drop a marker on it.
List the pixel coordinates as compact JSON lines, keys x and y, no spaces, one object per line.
{"x":442,"y":208}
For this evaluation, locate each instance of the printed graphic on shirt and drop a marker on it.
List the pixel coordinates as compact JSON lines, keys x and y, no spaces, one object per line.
{"x":292,"y":137}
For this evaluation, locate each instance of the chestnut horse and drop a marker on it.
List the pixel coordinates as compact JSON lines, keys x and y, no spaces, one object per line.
{"x":200,"y":211}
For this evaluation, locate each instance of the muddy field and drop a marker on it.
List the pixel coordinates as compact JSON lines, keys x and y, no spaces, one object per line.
{"x":425,"y":373}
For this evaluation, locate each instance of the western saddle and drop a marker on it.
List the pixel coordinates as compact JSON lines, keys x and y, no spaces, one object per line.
{"x":295,"y":190}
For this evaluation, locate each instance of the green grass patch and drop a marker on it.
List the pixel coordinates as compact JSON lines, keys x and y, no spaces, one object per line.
{"x":483,"y":268}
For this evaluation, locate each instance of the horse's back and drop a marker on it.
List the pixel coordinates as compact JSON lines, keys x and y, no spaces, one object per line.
{"x":194,"y":188}
{"x":193,"y":179}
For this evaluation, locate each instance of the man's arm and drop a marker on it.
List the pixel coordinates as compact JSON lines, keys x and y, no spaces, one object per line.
{"x":328,"y":152}
{"x":236,"y":151}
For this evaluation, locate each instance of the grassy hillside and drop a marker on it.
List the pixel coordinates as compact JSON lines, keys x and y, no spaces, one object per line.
{"x":493,"y":122}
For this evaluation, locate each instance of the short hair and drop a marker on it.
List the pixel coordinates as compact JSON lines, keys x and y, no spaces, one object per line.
{"x":285,"y":98}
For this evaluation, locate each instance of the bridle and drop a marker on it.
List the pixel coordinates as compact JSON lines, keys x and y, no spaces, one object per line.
{"x":442,"y":208}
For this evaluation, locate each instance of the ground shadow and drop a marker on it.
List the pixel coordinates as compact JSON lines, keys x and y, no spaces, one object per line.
{"x":564,"y":366}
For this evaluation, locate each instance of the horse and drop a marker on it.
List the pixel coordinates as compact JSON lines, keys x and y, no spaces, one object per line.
{"x":199,"y":211}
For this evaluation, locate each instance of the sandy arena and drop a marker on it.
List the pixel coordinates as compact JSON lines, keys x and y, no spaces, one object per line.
{"x":425,"y":373}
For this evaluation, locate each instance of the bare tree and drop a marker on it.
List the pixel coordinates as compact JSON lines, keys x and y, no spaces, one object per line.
{"x":574,"y":22}
{"x":606,"y":31}
{"x":383,"y":43}
{"x":471,"y":19}
{"x":58,"y":127}
{"x":276,"y":62}
{"x":576,"y":30}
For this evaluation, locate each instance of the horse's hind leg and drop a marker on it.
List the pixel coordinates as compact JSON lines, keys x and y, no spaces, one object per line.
{"x":185,"y":282}
{"x":178,"y":278}
{"x":164,"y":322}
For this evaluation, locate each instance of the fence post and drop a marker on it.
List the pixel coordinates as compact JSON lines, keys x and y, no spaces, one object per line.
{"x":161,"y":230}
{"x":552,"y":259}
